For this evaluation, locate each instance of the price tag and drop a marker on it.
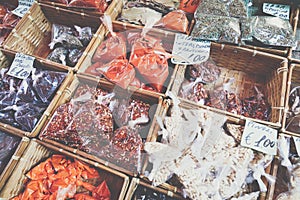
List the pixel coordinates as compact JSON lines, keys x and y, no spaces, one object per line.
{"x":23,"y":7}
{"x":260,"y":137}
{"x":189,"y":50}
{"x":278,"y":10}
{"x":21,"y":66}
{"x":297,"y":144}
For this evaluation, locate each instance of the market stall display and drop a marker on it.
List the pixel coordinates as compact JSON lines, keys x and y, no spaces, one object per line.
{"x":107,"y":104}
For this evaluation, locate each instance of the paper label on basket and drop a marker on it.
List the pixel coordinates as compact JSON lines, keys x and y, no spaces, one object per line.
{"x":189,"y":50}
{"x":277,"y":10}
{"x":23,"y":7}
{"x":260,"y":137}
{"x":21,"y":66}
{"x":297,"y":144}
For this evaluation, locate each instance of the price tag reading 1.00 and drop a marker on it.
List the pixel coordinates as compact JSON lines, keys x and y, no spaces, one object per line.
{"x":189,"y":50}
{"x":21,"y":66}
{"x":259,"y":137}
{"x":23,"y":7}
{"x":277,"y":10}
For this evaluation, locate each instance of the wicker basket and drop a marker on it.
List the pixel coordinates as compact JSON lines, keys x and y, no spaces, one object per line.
{"x":33,"y":34}
{"x":167,"y":37}
{"x":24,"y":141}
{"x":154,"y":101}
{"x":138,"y":185}
{"x":38,"y":151}
{"x":249,"y":68}
{"x":172,"y":185}
{"x":6,"y":57}
{"x":293,"y":81}
{"x":89,"y":11}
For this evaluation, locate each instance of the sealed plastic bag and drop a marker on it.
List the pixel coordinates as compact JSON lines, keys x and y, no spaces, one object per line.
{"x":46,"y":83}
{"x":175,"y":20}
{"x":217,"y":28}
{"x":231,"y":8}
{"x":8,"y":145}
{"x":151,"y":60}
{"x":269,"y":31}
{"x":112,"y":48}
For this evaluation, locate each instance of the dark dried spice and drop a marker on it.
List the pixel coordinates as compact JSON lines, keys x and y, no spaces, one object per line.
{"x":58,"y":55}
{"x":26,"y":94}
{"x":143,"y":193}
{"x":28,"y":115}
{"x":69,"y":41}
{"x":194,"y":91}
{"x":46,"y":83}
{"x":121,"y":113}
{"x":7,"y":117}
{"x":73,"y":57}
{"x":85,"y":35}
{"x":8,"y":145}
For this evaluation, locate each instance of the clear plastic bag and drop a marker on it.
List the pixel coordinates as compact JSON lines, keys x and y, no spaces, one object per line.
{"x":175,"y":20}
{"x":217,"y":28}
{"x":230,"y":8}
{"x":269,"y":30}
{"x":151,"y":60}
{"x":46,"y":83}
{"x":8,"y":145}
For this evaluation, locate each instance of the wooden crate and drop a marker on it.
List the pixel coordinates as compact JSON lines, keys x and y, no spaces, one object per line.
{"x":249,"y":68}
{"x":154,"y":101}
{"x":38,"y":151}
{"x":33,"y":34}
{"x":6,"y":58}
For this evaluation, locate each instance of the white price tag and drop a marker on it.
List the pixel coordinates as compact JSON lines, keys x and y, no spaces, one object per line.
{"x":188,"y":50}
{"x":297,"y":144}
{"x":23,"y":7}
{"x":277,"y":10}
{"x":260,"y":137}
{"x":21,"y":66}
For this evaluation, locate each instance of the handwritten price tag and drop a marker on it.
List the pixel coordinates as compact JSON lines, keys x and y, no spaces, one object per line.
{"x":259,"y":137}
{"x":188,"y":50}
{"x":21,"y":66}
{"x":23,"y":7}
{"x":278,"y":10}
{"x":297,"y":144}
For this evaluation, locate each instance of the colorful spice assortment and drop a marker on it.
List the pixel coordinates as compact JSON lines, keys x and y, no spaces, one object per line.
{"x":98,"y":123}
{"x":62,"y":178}
{"x":24,"y":101}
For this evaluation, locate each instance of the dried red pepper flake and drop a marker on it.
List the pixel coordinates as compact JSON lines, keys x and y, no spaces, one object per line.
{"x":63,"y":179}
